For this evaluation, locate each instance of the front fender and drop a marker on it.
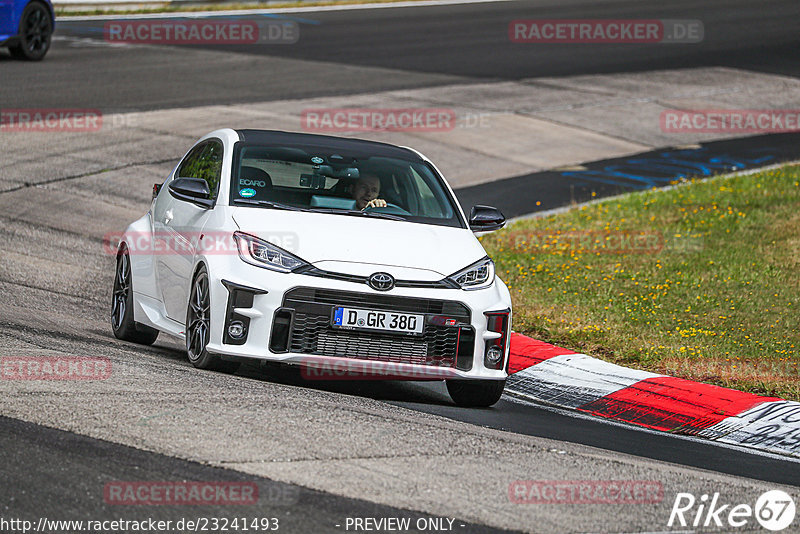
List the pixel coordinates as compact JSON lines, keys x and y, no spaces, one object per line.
{"x":138,"y":239}
{"x":219,"y":266}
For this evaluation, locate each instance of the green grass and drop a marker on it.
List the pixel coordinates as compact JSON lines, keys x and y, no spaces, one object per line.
{"x":65,"y":12}
{"x":707,"y":287}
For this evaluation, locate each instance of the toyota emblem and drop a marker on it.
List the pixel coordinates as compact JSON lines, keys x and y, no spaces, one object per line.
{"x":381,"y":281}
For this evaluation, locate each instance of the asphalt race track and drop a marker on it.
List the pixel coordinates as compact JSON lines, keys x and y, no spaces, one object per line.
{"x":372,"y":50}
{"x":323,"y":452}
{"x":63,"y":470}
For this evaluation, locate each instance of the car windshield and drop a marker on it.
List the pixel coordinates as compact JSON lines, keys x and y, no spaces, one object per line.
{"x":318,"y":180}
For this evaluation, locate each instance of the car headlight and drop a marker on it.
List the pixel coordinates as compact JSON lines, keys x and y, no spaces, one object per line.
{"x":260,"y":253}
{"x":479,"y":275}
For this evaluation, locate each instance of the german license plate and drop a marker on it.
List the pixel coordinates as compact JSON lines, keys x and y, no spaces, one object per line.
{"x":361,"y":319}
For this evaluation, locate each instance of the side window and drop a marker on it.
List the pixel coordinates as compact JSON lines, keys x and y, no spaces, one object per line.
{"x":190,"y":162}
{"x":204,"y":162}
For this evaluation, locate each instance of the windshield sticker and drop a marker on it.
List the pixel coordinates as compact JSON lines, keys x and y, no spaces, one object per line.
{"x":247,"y":193}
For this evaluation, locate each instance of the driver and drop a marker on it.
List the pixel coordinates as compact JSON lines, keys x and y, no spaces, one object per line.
{"x":365,"y":191}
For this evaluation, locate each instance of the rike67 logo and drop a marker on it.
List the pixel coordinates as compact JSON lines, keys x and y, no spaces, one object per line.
{"x":774,"y":510}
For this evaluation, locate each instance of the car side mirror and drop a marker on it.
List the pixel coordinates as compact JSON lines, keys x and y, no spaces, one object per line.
{"x":486,"y":219}
{"x":194,"y":190}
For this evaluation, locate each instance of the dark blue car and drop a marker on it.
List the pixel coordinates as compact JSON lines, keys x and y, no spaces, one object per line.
{"x":26,"y":27}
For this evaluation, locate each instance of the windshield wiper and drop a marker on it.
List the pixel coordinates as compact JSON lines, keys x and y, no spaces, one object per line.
{"x":269,"y":204}
{"x":281,"y":206}
{"x":359,"y":213}
{"x":382,"y":215}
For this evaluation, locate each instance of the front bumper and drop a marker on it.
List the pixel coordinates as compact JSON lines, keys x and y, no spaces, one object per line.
{"x":286,"y":318}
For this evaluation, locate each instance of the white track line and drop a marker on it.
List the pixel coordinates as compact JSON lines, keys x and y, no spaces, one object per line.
{"x":276,"y":11}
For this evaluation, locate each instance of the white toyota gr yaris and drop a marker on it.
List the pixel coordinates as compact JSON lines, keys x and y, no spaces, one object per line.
{"x":349,"y":258}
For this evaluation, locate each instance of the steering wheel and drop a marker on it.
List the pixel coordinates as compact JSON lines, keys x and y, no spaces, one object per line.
{"x":391,"y":209}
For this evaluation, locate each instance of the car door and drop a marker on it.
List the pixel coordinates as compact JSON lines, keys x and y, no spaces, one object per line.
{"x":179,"y":224}
{"x":7,"y":26}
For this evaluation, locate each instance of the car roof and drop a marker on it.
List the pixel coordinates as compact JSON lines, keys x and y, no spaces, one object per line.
{"x":353,"y":147}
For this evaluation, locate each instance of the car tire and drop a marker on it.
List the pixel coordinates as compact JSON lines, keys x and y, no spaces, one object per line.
{"x":122,"y":322}
{"x":475,"y":393}
{"x":35,"y":33}
{"x":198,"y":327}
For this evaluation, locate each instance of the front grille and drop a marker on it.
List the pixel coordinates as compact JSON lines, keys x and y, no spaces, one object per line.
{"x":312,"y":333}
{"x":341,"y":344}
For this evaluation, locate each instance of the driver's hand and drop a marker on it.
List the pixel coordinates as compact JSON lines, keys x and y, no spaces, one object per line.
{"x":376,"y":203}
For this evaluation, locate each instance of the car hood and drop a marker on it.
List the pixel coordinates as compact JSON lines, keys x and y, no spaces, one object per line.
{"x":362,"y":245}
